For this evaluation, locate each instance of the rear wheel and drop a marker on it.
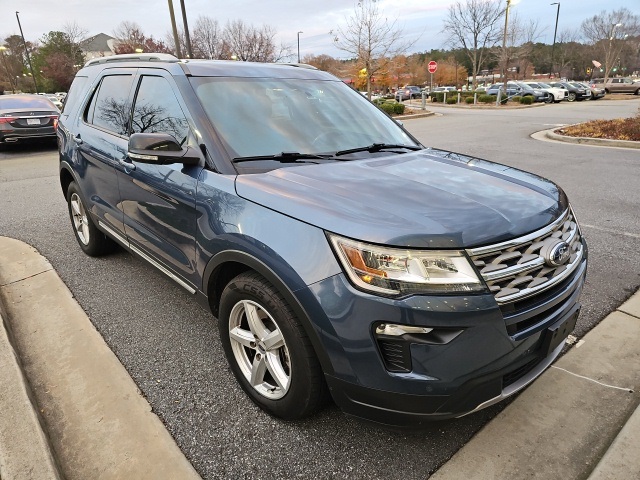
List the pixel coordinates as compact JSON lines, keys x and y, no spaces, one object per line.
{"x":91,"y":240}
{"x":268,"y":350}
{"x":550,"y":99}
{"x":572,"y":97}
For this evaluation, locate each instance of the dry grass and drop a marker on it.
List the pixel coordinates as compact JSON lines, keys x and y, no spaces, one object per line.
{"x":618,"y":129}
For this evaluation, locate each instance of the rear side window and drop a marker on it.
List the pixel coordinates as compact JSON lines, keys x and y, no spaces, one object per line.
{"x":109,"y":108}
{"x":157,"y":110}
{"x":75,"y":92}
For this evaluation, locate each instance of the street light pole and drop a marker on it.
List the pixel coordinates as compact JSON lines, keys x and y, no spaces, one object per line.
{"x":607,"y":66}
{"x":554,"y":36}
{"x":187,"y":38}
{"x":505,"y":60}
{"x":299,"y":46}
{"x":26,"y":50}
{"x":176,"y":39}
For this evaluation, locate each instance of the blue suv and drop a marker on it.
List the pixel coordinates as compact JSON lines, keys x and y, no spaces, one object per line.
{"x":341,"y":257}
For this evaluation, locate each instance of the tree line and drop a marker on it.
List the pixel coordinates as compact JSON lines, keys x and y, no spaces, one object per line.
{"x":477,"y":46}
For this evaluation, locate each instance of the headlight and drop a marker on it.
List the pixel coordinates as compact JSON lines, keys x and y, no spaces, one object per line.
{"x":395,"y":271}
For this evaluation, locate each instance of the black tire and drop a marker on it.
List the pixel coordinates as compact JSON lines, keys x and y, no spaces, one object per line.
{"x":250,"y":294}
{"x":572,"y":97}
{"x":91,"y":240}
{"x":550,"y":99}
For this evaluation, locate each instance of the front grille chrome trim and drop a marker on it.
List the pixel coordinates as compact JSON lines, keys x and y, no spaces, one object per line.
{"x":480,"y":251}
{"x":507,"y":272}
{"x":518,"y":269}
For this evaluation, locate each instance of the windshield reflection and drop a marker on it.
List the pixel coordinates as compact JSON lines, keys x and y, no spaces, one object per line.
{"x":268,"y":116}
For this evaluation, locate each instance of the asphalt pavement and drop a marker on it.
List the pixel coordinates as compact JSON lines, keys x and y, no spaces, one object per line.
{"x":70,"y":410}
{"x":169,"y":346}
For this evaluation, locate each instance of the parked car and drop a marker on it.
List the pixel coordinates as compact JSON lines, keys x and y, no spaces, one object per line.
{"x":407,"y":92}
{"x":597,"y":91}
{"x":519,"y":89}
{"x":618,"y":85}
{"x":555,"y":94}
{"x":340,"y":256}
{"x":574,"y":91}
{"x":26,"y":117}
{"x":440,"y":90}
{"x":55,"y":100}
{"x":374,"y":96}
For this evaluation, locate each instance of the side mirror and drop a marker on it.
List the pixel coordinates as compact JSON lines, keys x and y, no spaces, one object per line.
{"x":161,"y":149}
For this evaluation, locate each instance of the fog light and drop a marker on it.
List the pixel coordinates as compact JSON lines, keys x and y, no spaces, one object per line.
{"x":398,"y":330}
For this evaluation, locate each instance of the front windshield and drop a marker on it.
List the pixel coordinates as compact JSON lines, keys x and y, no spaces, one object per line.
{"x":544,"y":85}
{"x":268,"y":116}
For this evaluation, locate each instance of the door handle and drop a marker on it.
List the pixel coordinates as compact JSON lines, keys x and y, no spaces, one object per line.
{"x":77,"y":139}
{"x":127,"y":165}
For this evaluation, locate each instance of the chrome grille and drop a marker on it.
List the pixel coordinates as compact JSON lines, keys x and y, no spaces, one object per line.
{"x":520,"y":268}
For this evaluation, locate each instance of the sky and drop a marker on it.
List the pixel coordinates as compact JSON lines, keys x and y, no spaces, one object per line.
{"x":421,"y":20}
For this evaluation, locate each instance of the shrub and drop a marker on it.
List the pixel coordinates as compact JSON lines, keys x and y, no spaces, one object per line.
{"x":528,"y":100}
{"x":487,"y":98}
{"x":516,"y":99}
{"x":468,"y":100}
{"x":451,"y":101}
{"x":388,"y":107}
{"x":398,"y":108}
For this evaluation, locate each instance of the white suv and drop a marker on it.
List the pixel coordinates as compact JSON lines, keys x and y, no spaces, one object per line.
{"x":555,"y":94}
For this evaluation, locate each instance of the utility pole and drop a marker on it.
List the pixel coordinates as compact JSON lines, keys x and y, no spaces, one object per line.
{"x":186,"y":29}
{"x":176,"y":39}
{"x":26,"y":50}
{"x":299,"y":46}
{"x":554,"y":36}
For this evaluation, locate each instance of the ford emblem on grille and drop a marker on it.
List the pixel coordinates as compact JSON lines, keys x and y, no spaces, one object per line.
{"x":558,"y":254}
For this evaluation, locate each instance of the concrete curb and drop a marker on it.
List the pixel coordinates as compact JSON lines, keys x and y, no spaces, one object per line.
{"x":98,"y":423}
{"x":567,"y":424}
{"x":600,"y":142}
{"x":24,"y":448}
{"x":414,"y":115}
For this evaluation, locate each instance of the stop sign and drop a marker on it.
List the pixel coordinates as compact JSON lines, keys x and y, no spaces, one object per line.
{"x":433,"y":66}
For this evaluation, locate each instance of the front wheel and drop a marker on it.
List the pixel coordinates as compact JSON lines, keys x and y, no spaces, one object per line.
{"x":268,"y":350}
{"x":91,"y":240}
{"x":572,"y":97}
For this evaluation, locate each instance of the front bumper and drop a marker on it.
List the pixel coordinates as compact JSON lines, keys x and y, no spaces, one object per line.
{"x":481,"y":364}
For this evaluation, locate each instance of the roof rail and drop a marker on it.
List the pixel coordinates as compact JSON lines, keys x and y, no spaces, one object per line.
{"x":135,"y":57}
{"x":299,"y":65}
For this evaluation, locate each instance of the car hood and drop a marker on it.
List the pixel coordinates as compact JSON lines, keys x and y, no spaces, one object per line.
{"x":425,"y":199}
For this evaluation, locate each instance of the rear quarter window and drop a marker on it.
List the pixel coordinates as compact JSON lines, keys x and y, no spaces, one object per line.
{"x":75,"y":92}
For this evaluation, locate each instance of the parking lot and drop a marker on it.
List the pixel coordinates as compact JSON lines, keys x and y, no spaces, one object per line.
{"x":170,"y":346}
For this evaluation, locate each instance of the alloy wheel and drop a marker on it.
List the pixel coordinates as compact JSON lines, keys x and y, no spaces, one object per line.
{"x":259,"y":349}
{"x":80,"y":221}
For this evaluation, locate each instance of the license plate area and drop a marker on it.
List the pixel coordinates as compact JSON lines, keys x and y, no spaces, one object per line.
{"x":33,"y":121}
{"x":558,"y":332}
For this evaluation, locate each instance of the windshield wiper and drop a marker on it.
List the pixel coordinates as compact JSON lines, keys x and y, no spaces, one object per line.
{"x":284,"y":157}
{"x":376,"y":147}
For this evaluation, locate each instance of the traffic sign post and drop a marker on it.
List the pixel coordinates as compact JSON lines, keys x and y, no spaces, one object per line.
{"x":432,"y":66}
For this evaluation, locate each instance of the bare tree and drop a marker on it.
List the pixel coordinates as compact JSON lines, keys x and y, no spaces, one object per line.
{"x":565,"y":49}
{"x":370,"y":37}
{"x":207,"y":39}
{"x":130,"y":37}
{"x":521,"y":36}
{"x":474,"y":27}
{"x":252,"y":44}
{"x":608,"y":32}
